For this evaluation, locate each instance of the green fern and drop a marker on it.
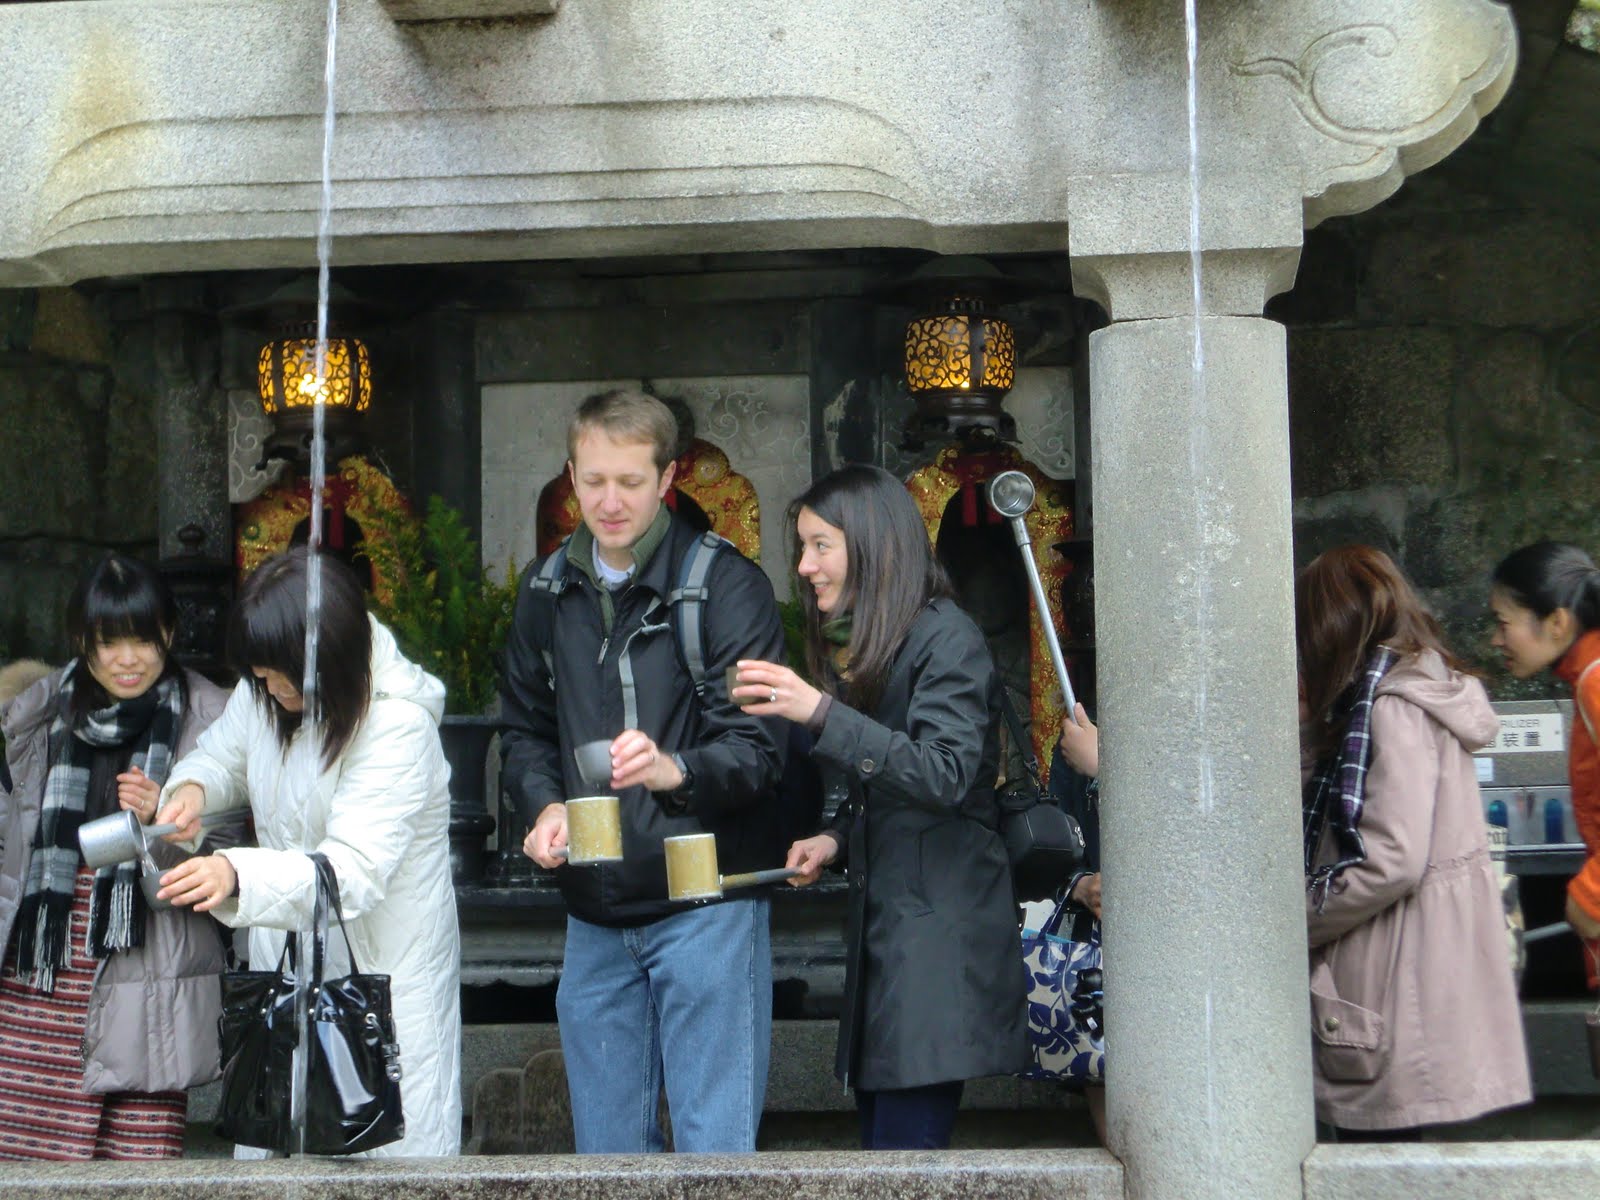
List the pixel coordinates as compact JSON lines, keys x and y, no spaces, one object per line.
{"x":446,"y":612}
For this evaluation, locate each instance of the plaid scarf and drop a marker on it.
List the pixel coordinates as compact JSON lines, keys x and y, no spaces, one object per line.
{"x":1337,"y":788}
{"x":150,"y":724}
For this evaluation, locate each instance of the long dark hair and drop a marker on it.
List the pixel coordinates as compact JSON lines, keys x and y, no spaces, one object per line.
{"x":117,"y":597}
{"x":1347,"y":603}
{"x":1550,"y":575}
{"x":268,"y":630}
{"x":891,"y":574}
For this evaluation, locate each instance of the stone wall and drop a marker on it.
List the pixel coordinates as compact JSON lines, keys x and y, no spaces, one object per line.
{"x":77,"y":422}
{"x":1445,"y":403}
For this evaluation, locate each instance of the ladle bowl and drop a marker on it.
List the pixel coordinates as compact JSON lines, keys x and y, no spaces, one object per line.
{"x":692,"y":869}
{"x":594,"y":764}
{"x":594,"y":831}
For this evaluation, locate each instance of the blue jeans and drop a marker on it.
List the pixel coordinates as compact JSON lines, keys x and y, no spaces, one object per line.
{"x":688,"y":996}
{"x":919,"y":1118}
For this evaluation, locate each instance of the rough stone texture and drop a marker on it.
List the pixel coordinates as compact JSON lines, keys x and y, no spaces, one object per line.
{"x":143,"y":139}
{"x":65,"y":326}
{"x":1495,"y":269}
{"x":947,"y":1175}
{"x":1192,"y":570}
{"x":1488,"y":1171}
{"x":1443,"y":361}
{"x":1367,"y":403}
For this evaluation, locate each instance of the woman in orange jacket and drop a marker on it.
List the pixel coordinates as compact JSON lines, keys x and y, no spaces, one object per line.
{"x":1546,"y":603}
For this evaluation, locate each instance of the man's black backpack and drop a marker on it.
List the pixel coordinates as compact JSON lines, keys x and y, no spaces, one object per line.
{"x":1043,"y":844}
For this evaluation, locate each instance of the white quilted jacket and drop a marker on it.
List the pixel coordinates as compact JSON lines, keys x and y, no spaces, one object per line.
{"x":381,"y":816}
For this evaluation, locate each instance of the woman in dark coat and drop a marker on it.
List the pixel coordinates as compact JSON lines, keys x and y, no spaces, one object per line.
{"x":909,"y":721}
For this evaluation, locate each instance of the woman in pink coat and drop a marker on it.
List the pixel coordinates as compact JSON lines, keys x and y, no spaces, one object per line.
{"x":1415,"y":1019}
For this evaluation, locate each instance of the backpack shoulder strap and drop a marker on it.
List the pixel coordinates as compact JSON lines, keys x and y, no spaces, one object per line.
{"x":548,"y":583}
{"x":687,"y":602}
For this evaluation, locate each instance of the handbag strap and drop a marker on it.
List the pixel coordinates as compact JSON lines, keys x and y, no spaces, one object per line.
{"x":1020,"y":738}
{"x":327,"y":898}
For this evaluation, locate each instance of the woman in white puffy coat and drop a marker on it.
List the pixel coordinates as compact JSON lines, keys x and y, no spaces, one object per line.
{"x":370,"y":794}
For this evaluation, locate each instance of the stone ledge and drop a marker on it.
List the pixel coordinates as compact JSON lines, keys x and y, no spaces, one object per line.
{"x":467,"y":10}
{"x":1548,"y":1170}
{"x":945,"y":1175}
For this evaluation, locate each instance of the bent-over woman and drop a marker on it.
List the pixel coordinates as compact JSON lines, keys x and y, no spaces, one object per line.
{"x":1415,"y":1020}
{"x":908,"y":719}
{"x":108,"y":1008}
{"x":370,"y":793}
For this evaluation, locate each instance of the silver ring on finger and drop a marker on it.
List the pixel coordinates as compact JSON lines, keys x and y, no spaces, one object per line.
{"x":773,"y":699}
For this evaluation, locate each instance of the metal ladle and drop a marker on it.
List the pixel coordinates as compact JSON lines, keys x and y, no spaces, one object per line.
{"x":594,"y":823}
{"x":119,"y":838}
{"x":1011,"y":494}
{"x":692,"y":869}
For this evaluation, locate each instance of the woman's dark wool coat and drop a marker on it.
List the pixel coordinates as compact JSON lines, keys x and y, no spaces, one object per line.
{"x":934,"y":983}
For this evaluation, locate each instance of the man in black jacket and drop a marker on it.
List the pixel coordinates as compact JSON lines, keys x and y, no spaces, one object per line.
{"x":649,"y":988}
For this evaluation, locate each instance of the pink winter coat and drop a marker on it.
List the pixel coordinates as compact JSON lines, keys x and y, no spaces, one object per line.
{"x":1414,"y":1011}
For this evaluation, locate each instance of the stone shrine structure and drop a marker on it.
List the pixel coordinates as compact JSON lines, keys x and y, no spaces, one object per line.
{"x":165,"y":136}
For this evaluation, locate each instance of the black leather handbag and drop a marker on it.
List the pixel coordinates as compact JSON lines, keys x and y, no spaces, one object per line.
{"x":353,"y":1069}
{"x":1043,"y":844}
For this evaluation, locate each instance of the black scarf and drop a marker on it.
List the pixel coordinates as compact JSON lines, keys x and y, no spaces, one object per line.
{"x":149,"y":726}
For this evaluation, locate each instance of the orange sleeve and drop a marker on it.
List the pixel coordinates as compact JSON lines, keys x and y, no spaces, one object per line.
{"x":1584,"y":887}
{"x":1586,"y":800}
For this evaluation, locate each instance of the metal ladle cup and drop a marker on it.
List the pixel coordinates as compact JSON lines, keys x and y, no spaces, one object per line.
{"x":119,"y":838}
{"x":594,"y":831}
{"x":594,"y":764}
{"x":692,"y":869}
{"x":1011,"y":494}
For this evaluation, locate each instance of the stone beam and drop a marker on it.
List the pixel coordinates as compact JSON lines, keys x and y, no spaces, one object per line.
{"x":463,"y":10}
{"x":149,"y":136}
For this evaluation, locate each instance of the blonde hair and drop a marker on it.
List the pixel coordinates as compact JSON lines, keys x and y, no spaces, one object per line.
{"x":627,"y":416}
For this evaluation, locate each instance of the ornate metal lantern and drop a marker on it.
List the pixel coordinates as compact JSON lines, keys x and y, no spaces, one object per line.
{"x":286,"y":369}
{"x":291,"y":390}
{"x":960,"y":354}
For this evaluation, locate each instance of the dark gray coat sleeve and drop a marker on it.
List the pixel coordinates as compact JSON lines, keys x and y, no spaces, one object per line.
{"x":935,"y":761}
{"x":530,"y":741}
{"x":737,"y":760}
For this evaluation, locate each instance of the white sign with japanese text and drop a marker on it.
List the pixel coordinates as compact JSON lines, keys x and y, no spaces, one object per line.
{"x":1528,"y":733}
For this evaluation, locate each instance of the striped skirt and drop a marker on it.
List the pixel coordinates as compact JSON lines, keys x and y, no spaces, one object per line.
{"x":43,"y":1111}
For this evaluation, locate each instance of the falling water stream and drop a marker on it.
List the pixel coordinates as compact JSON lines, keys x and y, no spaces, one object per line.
{"x":1202,"y":551}
{"x":308,"y":685}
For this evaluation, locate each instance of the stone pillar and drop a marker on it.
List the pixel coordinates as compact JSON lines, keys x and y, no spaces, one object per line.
{"x":191,"y":418}
{"x":1209,"y":1073}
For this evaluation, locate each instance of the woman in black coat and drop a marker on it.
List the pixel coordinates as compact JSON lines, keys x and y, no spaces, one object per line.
{"x":909,"y":721}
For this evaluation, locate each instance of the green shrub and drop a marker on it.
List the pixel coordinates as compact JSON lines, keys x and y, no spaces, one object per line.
{"x":447,"y":613}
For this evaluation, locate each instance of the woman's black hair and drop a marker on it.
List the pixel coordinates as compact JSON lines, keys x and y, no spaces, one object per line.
{"x":1550,"y":575}
{"x":117,"y":597}
{"x":891,"y":574}
{"x":268,"y":630}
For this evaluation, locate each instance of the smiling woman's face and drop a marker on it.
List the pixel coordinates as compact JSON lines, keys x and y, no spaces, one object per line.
{"x":823,"y":561}
{"x":127,"y":667}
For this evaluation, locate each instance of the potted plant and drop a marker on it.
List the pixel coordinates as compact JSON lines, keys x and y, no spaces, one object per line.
{"x":449,"y":616}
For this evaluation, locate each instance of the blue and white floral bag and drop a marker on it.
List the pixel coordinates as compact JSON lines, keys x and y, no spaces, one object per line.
{"x":1066,"y":1023}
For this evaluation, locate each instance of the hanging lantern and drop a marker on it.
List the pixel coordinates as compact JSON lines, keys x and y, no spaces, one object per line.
{"x":287,"y":371}
{"x":961,"y":351}
{"x":960,"y":354}
{"x":292,"y":391}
